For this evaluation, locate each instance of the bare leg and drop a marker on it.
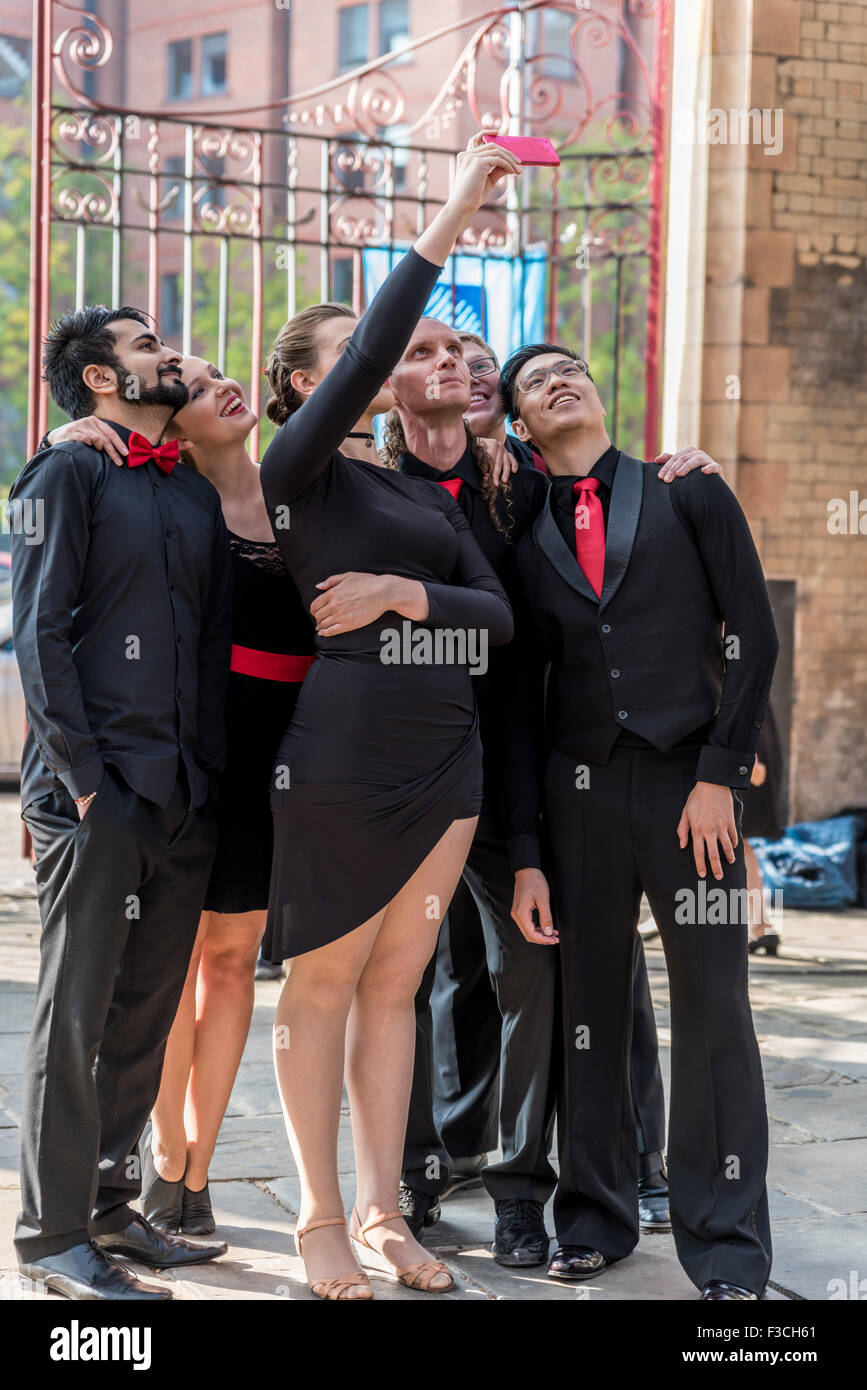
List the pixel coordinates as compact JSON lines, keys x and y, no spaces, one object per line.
{"x":224,"y":1007}
{"x":759,"y":926}
{"x":169,"y":1139}
{"x":380,"y":1042}
{"x":309,"y":1044}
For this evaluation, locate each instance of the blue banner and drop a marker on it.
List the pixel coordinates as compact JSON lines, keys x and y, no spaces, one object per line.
{"x":503,"y":301}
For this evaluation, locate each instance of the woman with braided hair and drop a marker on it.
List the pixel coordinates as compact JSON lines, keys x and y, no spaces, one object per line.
{"x":495,"y":483}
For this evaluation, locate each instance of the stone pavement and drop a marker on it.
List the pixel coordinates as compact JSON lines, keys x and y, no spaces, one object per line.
{"x":811,"y":1018}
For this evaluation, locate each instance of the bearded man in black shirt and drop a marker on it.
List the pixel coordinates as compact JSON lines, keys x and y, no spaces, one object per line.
{"x":122,"y":619}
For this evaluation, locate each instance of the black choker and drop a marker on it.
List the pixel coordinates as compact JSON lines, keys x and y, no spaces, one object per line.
{"x":369,"y":439}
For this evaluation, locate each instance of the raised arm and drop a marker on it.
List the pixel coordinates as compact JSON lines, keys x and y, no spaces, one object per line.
{"x":310,"y":437}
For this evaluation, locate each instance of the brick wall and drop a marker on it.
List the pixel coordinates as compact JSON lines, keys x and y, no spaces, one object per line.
{"x":801,"y":357}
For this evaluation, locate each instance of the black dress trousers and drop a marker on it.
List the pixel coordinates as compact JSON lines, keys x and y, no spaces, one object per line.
{"x":120,"y":893}
{"x":486,"y":1062}
{"x":609,"y":841}
{"x":487,"y":1016}
{"x":454,"y":1104}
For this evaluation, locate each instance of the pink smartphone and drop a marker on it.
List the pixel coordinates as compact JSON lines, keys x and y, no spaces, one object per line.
{"x":530,"y":149}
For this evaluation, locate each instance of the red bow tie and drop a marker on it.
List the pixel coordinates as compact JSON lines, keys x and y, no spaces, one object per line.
{"x":165,"y":456}
{"x":452,"y":485}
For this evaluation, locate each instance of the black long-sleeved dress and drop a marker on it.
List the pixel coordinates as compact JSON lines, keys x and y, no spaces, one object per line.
{"x":381,"y":756}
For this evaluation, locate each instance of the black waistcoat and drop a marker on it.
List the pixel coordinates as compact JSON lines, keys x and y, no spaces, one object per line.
{"x":646,"y":656}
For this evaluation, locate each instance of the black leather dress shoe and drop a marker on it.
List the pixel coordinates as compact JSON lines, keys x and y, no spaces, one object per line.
{"x":418,"y":1209}
{"x":520,"y":1238}
{"x":161,"y":1201}
{"x":143,"y":1242}
{"x":575,"y":1262}
{"x":197,"y":1218}
{"x":465,"y":1175}
{"x":653,"y":1211}
{"x":85,"y":1271}
{"x":717,"y":1289}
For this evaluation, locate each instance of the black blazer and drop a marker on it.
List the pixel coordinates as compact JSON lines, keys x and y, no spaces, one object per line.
{"x":681,"y":639}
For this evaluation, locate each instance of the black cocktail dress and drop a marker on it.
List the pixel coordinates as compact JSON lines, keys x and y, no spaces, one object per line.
{"x":380,"y":756}
{"x":272,"y":647}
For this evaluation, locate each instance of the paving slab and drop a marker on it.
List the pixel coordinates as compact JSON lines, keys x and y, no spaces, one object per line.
{"x":822,"y":1257}
{"x":810,"y":1005}
{"x":843,"y":1117}
{"x":831,"y":1176}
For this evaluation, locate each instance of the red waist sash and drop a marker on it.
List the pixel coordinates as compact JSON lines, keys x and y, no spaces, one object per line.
{"x":269,"y":666}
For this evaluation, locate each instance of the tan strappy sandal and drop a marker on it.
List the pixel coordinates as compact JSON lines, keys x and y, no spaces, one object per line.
{"x":334,"y":1289}
{"x":418,"y":1276}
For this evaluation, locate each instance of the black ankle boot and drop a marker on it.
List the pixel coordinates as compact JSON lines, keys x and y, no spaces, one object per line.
{"x":197,"y":1218}
{"x":161,"y":1201}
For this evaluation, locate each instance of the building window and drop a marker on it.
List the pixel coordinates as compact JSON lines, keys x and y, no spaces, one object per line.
{"x":171,"y":306}
{"x":341,"y":279}
{"x":352,"y":36}
{"x":556,"y":31}
{"x":397,"y":135}
{"x":14,"y":65}
{"x":213,"y":70}
{"x":172,"y":188}
{"x":347,"y":167}
{"x":393,"y":25}
{"x":215,"y":193}
{"x":180,"y":86}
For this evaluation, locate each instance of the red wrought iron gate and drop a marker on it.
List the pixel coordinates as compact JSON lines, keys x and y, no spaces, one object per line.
{"x":223,"y":224}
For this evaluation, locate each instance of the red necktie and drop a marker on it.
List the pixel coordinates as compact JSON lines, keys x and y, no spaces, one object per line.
{"x":452,"y":485}
{"x":590,"y":531}
{"x":165,"y":456}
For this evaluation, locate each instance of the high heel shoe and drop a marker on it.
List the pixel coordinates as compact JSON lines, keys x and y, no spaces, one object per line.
{"x":769,"y":942}
{"x":161,"y":1201}
{"x":420,"y":1276}
{"x":335,"y":1289}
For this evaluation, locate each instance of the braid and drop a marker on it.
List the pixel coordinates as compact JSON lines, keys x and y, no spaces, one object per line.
{"x":394,"y":440}
{"x":490,"y":491}
{"x":394,"y":444}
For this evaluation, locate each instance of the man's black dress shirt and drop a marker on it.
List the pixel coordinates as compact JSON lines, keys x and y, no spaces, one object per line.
{"x":122,"y":623}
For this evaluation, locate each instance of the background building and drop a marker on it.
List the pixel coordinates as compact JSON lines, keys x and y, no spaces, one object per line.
{"x":247,"y":166}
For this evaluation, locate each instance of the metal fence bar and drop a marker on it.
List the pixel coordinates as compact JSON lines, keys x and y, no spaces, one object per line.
{"x":329,"y":219}
{"x":189,"y":287}
{"x":116,"y":233}
{"x":223,"y":304}
{"x":258,"y":298}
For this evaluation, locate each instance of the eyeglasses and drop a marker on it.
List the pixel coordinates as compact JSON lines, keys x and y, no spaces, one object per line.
{"x":537,"y":379}
{"x":483,"y":365}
